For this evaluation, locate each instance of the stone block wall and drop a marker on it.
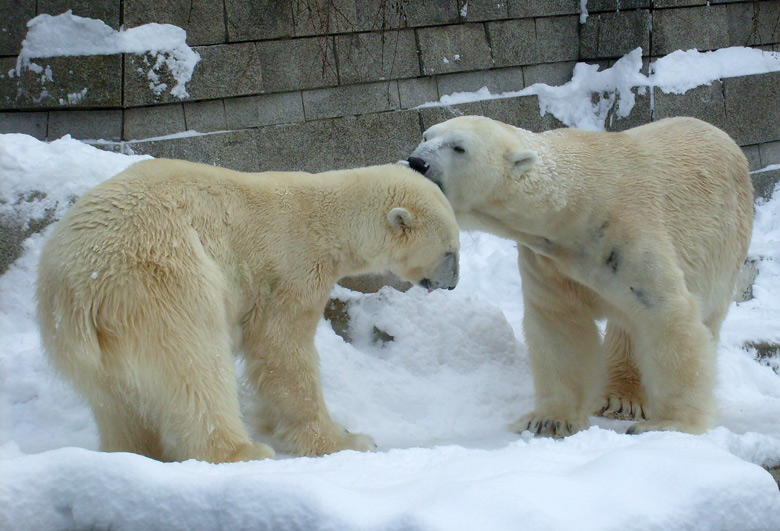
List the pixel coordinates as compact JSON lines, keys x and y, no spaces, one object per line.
{"x":322,"y":84}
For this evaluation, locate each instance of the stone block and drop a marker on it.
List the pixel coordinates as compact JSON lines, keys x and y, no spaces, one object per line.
{"x":553,"y":74}
{"x":387,"y":137}
{"x":662,"y":4}
{"x":203,"y":20}
{"x":542,"y":8}
{"x":13,"y":24}
{"x":86,"y":125}
{"x":338,"y":143}
{"x":297,"y":64}
{"x":62,"y":82}
{"x":742,"y":28}
{"x":433,"y":115}
{"x":606,"y":35}
{"x":767,"y":18}
{"x":533,"y":41}
{"x":752,"y":110}
{"x":349,"y":100}
{"x":482,"y":10}
{"x":379,"y":15}
{"x":205,"y":116}
{"x":235,"y":150}
{"x":557,"y":39}
{"x":753,"y":156}
{"x":414,"y":92}
{"x":107,"y":11}
{"x":522,"y":111}
{"x":641,"y":114}
{"x":513,"y":42}
{"x":770,"y":153}
{"x":258,"y":19}
{"x":152,"y":122}
{"x":456,"y":48}
{"x":224,"y":70}
{"x":417,"y":13}
{"x":27,"y":123}
{"x":324,"y":17}
{"x":497,"y":81}
{"x":597,"y":6}
{"x":765,"y":183}
{"x":266,"y":109}
{"x":365,"y":57}
{"x":703,"y":28}
{"x":705,"y":103}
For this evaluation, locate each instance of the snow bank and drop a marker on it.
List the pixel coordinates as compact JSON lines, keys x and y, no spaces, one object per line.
{"x":41,"y":179}
{"x":593,"y":480}
{"x":68,"y":34}
{"x":586,"y":101}
{"x":436,"y":399}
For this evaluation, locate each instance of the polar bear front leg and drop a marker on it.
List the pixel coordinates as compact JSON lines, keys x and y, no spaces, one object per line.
{"x":567,"y":369}
{"x":284,"y":364}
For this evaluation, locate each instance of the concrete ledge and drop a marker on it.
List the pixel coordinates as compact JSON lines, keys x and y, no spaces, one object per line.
{"x":267,"y":109}
{"x":149,"y":122}
{"x":86,"y":125}
{"x":34,"y":124}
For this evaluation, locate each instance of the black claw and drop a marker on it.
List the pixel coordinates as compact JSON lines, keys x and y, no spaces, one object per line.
{"x":546,"y":423}
{"x":631,"y":430}
{"x":570,"y":426}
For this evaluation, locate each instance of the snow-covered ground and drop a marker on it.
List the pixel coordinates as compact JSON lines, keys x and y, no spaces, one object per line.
{"x":436,"y":399}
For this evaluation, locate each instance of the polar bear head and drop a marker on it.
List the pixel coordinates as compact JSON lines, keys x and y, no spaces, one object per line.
{"x":474,"y":160}
{"x":424,"y":240}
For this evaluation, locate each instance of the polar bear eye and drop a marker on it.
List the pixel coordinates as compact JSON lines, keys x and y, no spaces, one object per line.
{"x":458,"y":149}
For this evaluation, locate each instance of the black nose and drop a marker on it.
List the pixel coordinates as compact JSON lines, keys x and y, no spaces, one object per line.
{"x":418,"y":164}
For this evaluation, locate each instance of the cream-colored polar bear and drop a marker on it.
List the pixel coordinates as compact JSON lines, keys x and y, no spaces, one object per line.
{"x":648,"y":228}
{"x":154,"y":276}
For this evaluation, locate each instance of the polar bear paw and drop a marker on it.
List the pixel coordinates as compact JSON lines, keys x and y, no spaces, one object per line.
{"x":357,"y":441}
{"x":644,"y":426}
{"x":252,"y":451}
{"x":622,"y":408}
{"x":547,"y":426}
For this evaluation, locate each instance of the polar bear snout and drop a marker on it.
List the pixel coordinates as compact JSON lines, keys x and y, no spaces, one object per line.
{"x":444,"y":275}
{"x":418,"y":165}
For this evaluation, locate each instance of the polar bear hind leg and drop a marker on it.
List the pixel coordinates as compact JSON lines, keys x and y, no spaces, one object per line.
{"x":625,"y":397}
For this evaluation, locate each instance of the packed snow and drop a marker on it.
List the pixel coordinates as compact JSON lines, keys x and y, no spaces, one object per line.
{"x":68,"y":34}
{"x":587,"y":99}
{"x":437,"y":399}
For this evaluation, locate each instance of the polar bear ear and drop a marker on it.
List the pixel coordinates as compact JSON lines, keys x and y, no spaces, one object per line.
{"x":522,"y":160}
{"x":400,"y":219}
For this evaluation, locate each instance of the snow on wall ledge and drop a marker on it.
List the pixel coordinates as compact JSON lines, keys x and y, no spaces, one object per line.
{"x":574,"y":104}
{"x":68,"y":35}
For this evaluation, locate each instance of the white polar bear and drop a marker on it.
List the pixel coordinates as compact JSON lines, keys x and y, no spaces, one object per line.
{"x":648,"y":228}
{"x":154,"y":276}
